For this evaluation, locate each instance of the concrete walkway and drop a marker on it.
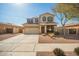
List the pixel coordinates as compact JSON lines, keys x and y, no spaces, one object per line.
{"x":27,"y":45}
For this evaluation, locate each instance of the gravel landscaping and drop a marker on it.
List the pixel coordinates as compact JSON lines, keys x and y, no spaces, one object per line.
{"x":48,"y":39}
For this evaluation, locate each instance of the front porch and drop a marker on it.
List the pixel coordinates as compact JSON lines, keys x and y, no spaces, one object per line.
{"x":46,"y":28}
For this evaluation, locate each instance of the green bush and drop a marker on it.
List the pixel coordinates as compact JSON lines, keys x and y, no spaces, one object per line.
{"x":77,"y":50}
{"x":58,"y":52}
{"x":56,"y":33}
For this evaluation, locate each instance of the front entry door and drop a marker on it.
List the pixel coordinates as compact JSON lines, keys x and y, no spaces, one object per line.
{"x":50,"y":29}
{"x":42,"y":29}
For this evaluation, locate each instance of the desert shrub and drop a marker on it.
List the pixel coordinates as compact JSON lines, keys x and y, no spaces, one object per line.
{"x":76,"y":50}
{"x":56,"y":33}
{"x":58,"y":52}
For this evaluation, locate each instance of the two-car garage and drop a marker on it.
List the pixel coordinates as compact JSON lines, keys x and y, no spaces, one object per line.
{"x":31,"y":29}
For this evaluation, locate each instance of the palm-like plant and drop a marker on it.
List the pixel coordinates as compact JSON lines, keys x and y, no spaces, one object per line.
{"x":76,"y":50}
{"x":58,"y":52}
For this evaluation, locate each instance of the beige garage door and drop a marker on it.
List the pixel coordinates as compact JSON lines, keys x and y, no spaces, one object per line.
{"x":31,"y":30}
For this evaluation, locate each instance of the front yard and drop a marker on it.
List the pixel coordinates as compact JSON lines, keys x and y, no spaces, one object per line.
{"x":48,"y":39}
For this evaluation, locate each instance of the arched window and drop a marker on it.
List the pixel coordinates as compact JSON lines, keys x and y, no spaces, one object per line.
{"x":44,"y":18}
{"x":50,"y":19}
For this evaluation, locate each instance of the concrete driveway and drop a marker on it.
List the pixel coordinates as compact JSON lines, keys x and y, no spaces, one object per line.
{"x":19,"y":45}
{"x":27,"y":45}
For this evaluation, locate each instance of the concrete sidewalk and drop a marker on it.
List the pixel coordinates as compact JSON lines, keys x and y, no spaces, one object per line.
{"x":51,"y":47}
{"x":27,"y":45}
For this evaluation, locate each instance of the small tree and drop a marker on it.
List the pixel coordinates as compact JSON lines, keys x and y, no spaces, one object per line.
{"x":64,"y":13}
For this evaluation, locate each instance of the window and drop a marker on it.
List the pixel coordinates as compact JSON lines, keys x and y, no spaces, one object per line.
{"x":72,"y":31}
{"x":36,"y":20}
{"x":50,"y":19}
{"x":29,"y":20}
{"x":44,"y":18}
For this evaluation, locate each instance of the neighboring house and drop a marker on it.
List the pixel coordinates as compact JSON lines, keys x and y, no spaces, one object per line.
{"x":44,"y":23}
{"x":9,"y":28}
{"x":72,"y":29}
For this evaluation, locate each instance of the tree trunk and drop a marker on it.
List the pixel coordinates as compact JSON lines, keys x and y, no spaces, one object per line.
{"x":63,"y":31}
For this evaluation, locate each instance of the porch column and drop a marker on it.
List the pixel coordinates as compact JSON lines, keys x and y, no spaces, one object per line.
{"x":40,"y":29}
{"x":76,"y":31}
{"x":55,"y":28}
{"x":45,"y":29}
{"x":46,"y":19}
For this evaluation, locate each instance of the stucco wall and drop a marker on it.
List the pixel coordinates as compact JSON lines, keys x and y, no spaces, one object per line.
{"x":4,"y":27}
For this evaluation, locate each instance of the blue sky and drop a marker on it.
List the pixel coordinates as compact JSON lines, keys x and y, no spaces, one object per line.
{"x":17,"y":13}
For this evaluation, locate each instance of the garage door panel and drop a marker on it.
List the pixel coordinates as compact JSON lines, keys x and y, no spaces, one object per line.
{"x":32,"y":30}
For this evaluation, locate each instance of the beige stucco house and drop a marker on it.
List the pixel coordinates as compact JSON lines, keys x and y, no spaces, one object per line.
{"x":72,"y":29}
{"x":44,"y":23}
{"x":10,"y":28}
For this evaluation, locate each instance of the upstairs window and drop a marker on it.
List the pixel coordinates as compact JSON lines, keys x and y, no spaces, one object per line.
{"x":50,"y":19}
{"x":44,"y":19}
{"x":29,"y":21}
{"x":36,"y":20}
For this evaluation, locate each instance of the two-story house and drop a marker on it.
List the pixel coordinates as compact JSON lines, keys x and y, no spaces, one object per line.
{"x":44,"y":23}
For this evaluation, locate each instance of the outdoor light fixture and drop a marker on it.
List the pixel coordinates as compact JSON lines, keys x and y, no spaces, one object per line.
{"x":50,"y":29}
